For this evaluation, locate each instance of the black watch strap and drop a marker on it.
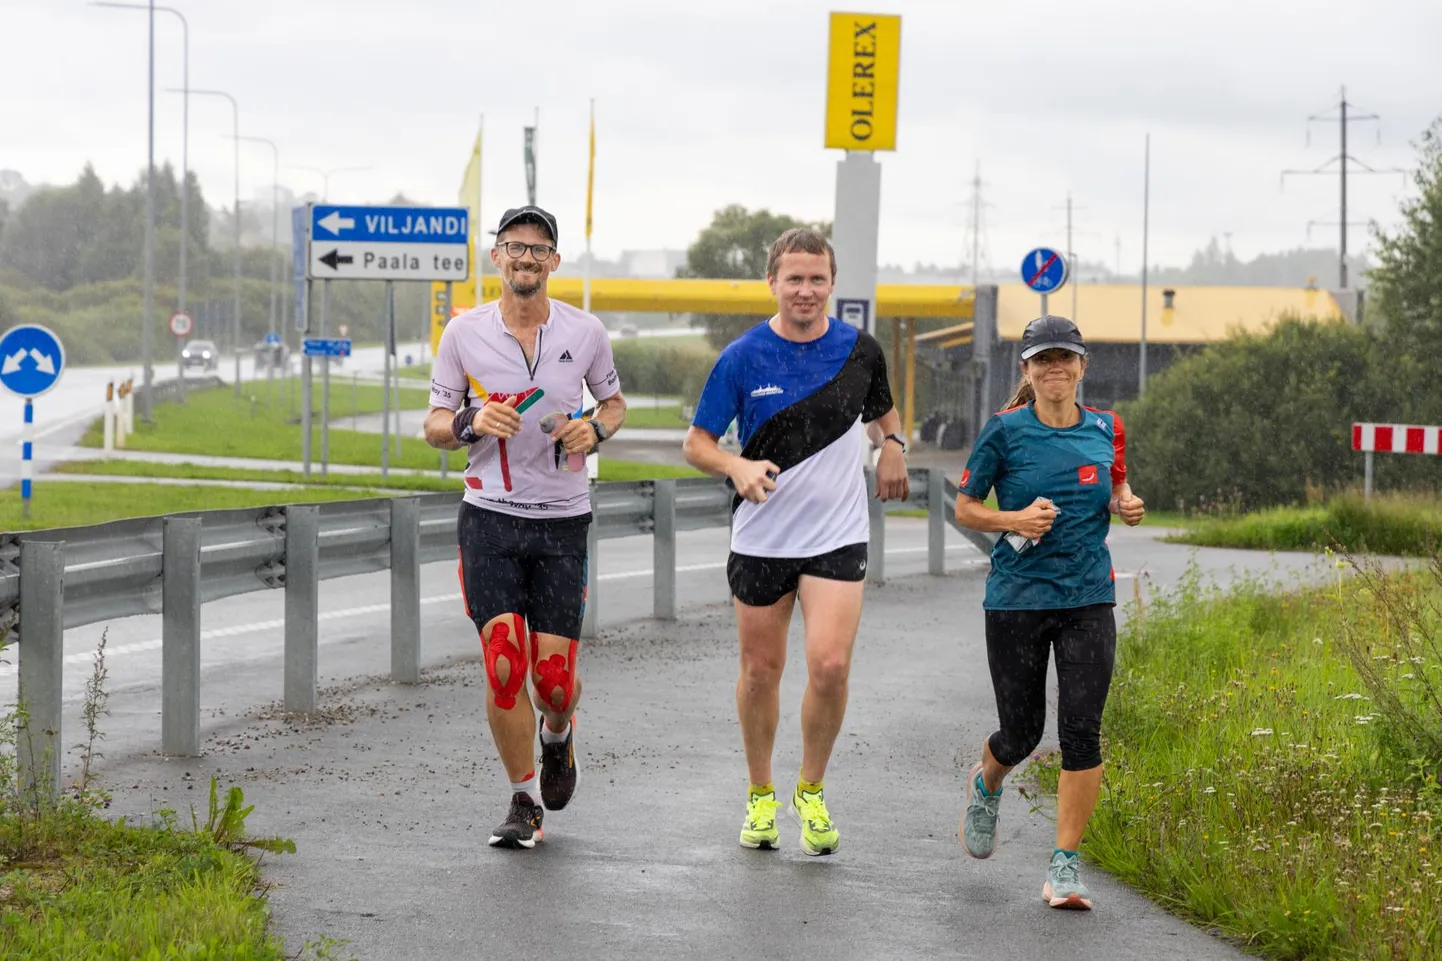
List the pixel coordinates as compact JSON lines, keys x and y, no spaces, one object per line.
{"x":898,"y":438}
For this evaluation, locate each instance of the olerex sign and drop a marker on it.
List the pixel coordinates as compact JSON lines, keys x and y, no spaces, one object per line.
{"x":862,"y":73}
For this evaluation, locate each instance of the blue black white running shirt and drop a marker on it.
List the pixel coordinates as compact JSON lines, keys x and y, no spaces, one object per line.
{"x":800,"y":406}
{"x":1073,"y":467}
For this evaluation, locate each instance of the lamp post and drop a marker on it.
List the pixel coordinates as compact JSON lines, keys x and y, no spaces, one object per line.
{"x":184,"y":142}
{"x":274,"y":219}
{"x":235,"y":133}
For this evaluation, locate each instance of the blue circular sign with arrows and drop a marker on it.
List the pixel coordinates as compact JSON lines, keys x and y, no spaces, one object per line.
{"x":1044,"y":270}
{"x":31,"y":358}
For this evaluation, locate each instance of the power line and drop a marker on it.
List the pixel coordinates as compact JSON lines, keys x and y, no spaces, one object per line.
{"x":977,"y":205}
{"x":1339,"y":113}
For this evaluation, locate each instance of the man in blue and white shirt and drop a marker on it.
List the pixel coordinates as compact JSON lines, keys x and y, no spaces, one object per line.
{"x":805,"y":390}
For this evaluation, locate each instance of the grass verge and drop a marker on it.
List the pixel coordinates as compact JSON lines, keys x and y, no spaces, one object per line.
{"x":1264,"y":775}
{"x":1394,"y":525}
{"x":74,"y":884}
{"x":75,"y":503}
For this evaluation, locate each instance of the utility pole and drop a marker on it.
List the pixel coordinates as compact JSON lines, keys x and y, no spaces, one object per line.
{"x":978,"y":206}
{"x":147,"y":332}
{"x":1343,"y":116}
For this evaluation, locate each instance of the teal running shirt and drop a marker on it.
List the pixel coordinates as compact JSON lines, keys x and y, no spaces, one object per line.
{"x":1073,"y":467}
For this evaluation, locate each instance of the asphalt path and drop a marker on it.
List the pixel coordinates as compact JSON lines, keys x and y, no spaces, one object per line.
{"x":390,"y":791}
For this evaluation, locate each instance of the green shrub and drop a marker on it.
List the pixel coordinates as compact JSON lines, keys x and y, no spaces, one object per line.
{"x":672,"y":370}
{"x":1262,"y":420}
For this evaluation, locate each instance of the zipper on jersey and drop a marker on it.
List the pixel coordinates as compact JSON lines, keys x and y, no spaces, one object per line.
{"x":530,"y":367}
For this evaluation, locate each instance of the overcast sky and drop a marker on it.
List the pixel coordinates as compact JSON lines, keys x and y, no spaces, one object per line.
{"x":709,"y":102}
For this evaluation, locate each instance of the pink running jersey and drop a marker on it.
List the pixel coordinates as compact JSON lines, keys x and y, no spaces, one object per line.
{"x":480,"y":360}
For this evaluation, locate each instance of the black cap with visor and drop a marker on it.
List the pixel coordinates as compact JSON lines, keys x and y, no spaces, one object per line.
{"x":1051,"y":333}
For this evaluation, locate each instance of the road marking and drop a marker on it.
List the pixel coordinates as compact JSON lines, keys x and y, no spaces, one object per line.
{"x":235,"y":630}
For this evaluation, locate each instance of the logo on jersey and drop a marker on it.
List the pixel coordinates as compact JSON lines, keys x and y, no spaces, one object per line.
{"x":965,"y":477}
{"x":770,"y":390}
{"x":1106,"y":428}
{"x":565,"y":357}
{"x":1087,"y":474}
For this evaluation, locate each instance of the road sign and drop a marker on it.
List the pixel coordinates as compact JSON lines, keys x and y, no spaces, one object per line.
{"x":1044,"y":270}
{"x":180,"y":324}
{"x":327,"y":347}
{"x":389,"y":243}
{"x":31,"y":358}
{"x":854,"y":312}
{"x":272,"y":339}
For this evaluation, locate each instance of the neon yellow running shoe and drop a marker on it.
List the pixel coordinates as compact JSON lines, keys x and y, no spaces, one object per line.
{"x":759,"y":829}
{"x":818,"y":834}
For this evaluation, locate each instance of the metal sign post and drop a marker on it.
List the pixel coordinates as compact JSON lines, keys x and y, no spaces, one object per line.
{"x":325,"y":382}
{"x":31,"y":360}
{"x":181,"y":325}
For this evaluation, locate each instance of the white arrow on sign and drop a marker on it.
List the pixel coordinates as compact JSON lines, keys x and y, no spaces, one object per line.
{"x":44,"y":362}
{"x":335,"y":223}
{"x":12,"y":361}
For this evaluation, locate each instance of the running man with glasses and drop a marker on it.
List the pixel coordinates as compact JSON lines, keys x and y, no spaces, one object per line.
{"x":507,"y":385}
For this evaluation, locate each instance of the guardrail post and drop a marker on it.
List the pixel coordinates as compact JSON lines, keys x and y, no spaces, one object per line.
{"x":876,"y":550}
{"x":42,"y":659}
{"x":180,"y":638}
{"x":590,"y":620}
{"x":302,"y":609}
{"x":663,"y":550}
{"x":936,"y":522}
{"x":406,"y":590}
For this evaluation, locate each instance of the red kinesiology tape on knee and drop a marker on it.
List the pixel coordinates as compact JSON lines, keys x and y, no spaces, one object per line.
{"x":507,"y":640}
{"x":555,"y":673}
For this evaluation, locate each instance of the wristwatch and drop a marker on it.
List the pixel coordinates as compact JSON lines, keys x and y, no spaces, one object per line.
{"x":601,"y":432}
{"x":899,"y":439}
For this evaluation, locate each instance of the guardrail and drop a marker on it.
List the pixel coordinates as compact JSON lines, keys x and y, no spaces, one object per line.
{"x":51,"y":580}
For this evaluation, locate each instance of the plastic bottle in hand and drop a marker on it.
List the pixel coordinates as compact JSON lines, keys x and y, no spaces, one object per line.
{"x":1018,"y":542}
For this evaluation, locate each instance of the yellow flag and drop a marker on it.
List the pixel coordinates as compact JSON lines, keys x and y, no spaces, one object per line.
{"x":591,"y":172}
{"x":470,"y":194}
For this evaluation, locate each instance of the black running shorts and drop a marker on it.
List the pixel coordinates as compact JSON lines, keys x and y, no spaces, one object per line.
{"x":762,"y":581}
{"x":535,"y":567}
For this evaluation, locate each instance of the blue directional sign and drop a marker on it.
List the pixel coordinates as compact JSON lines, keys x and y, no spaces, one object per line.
{"x":389,"y":243}
{"x":327,"y":346}
{"x":31,"y":358}
{"x":272,"y":339}
{"x":1044,"y":270}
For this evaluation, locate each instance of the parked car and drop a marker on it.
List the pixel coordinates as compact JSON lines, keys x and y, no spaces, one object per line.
{"x":200,"y":353}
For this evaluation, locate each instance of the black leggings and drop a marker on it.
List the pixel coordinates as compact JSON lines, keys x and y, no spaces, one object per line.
{"x":1018,"y":646}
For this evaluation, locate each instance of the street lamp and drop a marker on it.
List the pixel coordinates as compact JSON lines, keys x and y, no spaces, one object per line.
{"x":235,"y":133}
{"x":274,"y":217}
{"x":327,"y":174}
{"x":185,"y":139}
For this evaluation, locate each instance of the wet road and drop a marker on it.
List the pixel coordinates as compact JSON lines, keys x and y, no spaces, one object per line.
{"x":391,"y":791}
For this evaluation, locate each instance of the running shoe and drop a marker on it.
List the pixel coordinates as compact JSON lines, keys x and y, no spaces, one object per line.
{"x":818,"y":833}
{"x":759,"y":828}
{"x":1063,"y":887}
{"x":522,"y":827}
{"x":558,"y":770}
{"x":978,"y":827}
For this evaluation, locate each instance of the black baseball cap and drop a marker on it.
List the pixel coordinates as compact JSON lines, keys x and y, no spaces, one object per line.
{"x":1051,"y":333}
{"x":529,"y":214}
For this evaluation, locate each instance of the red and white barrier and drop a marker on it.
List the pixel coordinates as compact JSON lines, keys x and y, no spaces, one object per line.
{"x":1397,"y":438}
{"x":1393,"y":439}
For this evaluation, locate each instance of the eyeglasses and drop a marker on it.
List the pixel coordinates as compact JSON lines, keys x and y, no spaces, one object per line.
{"x":516,"y":250}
